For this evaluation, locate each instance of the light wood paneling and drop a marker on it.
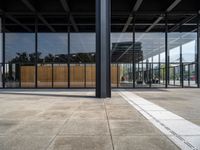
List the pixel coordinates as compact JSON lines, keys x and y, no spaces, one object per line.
{"x":60,"y":75}
{"x":77,"y":76}
{"x":45,"y":75}
{"x":27,"y":76}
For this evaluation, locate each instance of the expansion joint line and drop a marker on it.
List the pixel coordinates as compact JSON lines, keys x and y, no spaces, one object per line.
{"x":106,"y":112}
{"x":66,"y":121}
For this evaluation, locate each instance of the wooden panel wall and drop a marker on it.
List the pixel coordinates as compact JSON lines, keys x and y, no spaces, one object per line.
{"x":77,"y":75}
{"x":45,"y":76}
{"x":114,"y":75}
{"x":60,"y":75}
{"x":90,"y":75}
{"x":27,"y":76}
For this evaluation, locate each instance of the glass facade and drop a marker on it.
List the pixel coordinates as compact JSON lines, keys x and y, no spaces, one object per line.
{"x":52,"y":56}
{"x":1,"y":54}
{"x":149,"y":66}
{"x":36,"y":55}
{"x":82,"y":59}
{"x":121,"y":59}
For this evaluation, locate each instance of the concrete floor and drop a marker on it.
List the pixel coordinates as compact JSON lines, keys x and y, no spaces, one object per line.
{"x":183,"y":102}
{"x":74,"y":120}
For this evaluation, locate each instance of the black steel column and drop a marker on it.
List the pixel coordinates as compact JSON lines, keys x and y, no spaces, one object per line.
{"x":103,"y":84}
{"x":166,"y":54}
{"x":133,"y":54}
{"x":198,"y":51}
{"x":3,"y":30}
{"x":181,"y":58}
{"x":189,"y":75}
{"x":68,"y":44}
{"x":52,"y":75}
{"x":159,"y":68}
{"x":118,"y":75}
{"x":36,"y":50}
{"x":85,"y":74}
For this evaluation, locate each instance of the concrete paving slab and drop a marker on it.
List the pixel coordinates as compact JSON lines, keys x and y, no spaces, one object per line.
{"x":124,"y":115}
{"x":89,"y":115}
{"x":82,"y":143}
{"x":143,"y":143}
{"x":89,"y":107}
{"x":132,"y":128}
{"x":39,"y":128}
{"x":6,"y":126}
{"x":19,"y":115}
{"x":27,"y":142}
{"x":61,"y":119}
{"x":51,"y":115}
{"x":85,"y":127}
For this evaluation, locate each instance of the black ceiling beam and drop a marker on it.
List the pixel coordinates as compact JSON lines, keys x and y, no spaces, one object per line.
{"x":172,"y":6}
{"x":130,"y":18}
{"x":113,"y":24}
{"x":17,"y":22}
{"x":154,"y":23}
{"x":67,"y":9}
{"x":114,"y":13}
{"x":183,"y":22}
{"x":32,"y":8}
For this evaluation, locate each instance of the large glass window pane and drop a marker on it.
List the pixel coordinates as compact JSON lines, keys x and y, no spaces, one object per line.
{"x":19,"y":57}
{"x":174,"y":48}
{"x":121,"y":54}
{"x":182,"y":49}
{"x":53,"y":49}
{"x":82,"y":52}
{"x":182,"y":42}
{"x":151,"y":60}
{"x":189,"y":48}
{"x":20,"y":52}
{"x":1,"y":54}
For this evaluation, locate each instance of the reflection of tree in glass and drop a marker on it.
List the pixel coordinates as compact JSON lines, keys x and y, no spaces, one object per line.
{"x":25,"y":58}
{"x":74,"y":58}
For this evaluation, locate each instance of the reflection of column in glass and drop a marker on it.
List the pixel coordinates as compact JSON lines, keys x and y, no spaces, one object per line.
{"x":181,"y":62}
{"x":159,"y":67}
{"x":1,"y":53}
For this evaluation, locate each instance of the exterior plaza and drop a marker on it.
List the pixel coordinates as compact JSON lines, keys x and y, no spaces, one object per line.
{"x":99,"y":74}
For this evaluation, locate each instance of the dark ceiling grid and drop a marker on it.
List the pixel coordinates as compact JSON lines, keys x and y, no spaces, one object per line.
{"x":32,"y":8}
{"x":170,"y":8}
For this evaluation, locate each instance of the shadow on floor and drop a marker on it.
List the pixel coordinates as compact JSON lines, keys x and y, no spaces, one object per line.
{"x":52,"y":95}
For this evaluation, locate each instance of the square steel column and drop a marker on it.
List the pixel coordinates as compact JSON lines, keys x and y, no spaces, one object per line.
{"x":166,"y":53}
{"x":103,"y":84}
{"x":198,"y":51}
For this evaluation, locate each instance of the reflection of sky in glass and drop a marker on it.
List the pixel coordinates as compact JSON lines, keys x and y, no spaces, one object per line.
{"x":56,"y":43}
{"x":82,"y":42}
{"x":120,"y":37}
{"x":188,"y":51}
{"x":52,"y":43}
{"x":18,"y":43}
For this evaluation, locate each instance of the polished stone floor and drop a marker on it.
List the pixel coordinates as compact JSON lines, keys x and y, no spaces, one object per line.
{"x":74,"y":120}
